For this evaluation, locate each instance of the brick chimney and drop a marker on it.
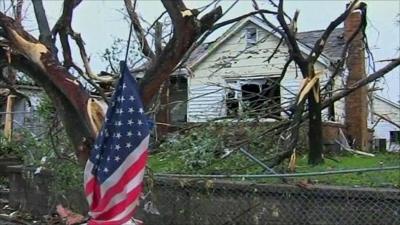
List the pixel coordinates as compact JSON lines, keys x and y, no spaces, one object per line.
{"x":356,"y":104}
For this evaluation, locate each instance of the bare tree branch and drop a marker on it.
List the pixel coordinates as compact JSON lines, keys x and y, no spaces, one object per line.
{"x":370,"y":78}
{"x":290,"y":37}
{"x":158,"y":38}
{"x":44,"y":28}
{"x":63,"y":27}
{"x":18,"y":10}
{"x":141,"y":37}
{"x":187,"y":28}
{"x":340,"y":63}
{"x":214,"y":28}
{"x":320,"y":44}
{"x":70,"y":98}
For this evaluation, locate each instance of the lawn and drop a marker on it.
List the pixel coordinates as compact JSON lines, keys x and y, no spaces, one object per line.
{"x":212,"y":149}
{"x":237,"y":163}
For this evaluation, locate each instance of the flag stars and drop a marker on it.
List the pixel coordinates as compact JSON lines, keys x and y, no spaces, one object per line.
{"x":129,"y":134}
{"x":125,"y":126}
{"x":121,"y":99}
{"x":118,"y":135}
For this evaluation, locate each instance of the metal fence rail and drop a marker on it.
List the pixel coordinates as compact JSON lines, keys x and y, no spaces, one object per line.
{"x":322,"y":173}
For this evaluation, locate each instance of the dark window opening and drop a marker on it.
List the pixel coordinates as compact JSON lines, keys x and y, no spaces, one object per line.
{"x":178,"y":83}
{"x":257,"y":99}
{"x":178,"y":99}
{"x":395,"y":137}
{"x":251,"y":36}
{"x":232,"y":104}
{"x":251,"y":98}
{"x":331,"y":107}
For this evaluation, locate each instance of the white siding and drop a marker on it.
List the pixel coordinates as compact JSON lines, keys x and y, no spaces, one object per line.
{"x":231,"y":60}
{"x":205,"y":102}
{"x":386,"y":109}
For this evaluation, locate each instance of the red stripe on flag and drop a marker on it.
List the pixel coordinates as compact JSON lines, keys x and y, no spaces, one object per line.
{"x":118,"y":222}
{"x":121,"y":206}
{"x":99,"y":204}
{"x":89,"y":187}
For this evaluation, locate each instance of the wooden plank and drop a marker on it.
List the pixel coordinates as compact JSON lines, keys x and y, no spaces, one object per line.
{"x":8,"y":127}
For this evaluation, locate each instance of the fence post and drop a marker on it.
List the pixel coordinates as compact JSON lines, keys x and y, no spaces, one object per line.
{"x":8,"y":126}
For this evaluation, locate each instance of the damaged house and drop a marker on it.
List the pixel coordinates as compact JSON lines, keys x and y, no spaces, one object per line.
{"x":239,"y":75}
{"x":236,"y":76}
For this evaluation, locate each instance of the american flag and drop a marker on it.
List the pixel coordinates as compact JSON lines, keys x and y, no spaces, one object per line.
{"x":114,"y":172}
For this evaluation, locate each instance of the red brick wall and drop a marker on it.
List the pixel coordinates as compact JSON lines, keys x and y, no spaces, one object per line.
{"x":356,"y":105}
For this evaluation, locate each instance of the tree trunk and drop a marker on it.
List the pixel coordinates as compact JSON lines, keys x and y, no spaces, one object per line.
{"x":67,"y":94}
{"x":78,"y":111}
{"x":315,"y":141}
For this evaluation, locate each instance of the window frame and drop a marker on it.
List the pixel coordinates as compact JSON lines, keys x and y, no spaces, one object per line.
{"x":249,"y":41}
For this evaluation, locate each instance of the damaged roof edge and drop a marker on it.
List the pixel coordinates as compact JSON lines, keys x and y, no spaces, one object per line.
{"x":306,"y":41}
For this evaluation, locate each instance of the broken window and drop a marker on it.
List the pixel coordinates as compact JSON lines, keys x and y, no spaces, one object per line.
{"x":395,"y":136}
{"x":254,"y":98}
{"x":331,"y":107}
{"x":178,"y":98}
{"x":251,"y":36}
{"x":232,"y":103}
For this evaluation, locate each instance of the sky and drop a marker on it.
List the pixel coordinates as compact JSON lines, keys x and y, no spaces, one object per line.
{"x":101,"y":21}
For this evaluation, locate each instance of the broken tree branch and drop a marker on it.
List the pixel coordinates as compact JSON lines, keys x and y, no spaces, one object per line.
{"x":187,"y":28}
{"x":383,"y":117}
{"x":290,"y":37}
{"x":370,"y":78}
{"x":320,"y":44}
{"x":68,"y":95}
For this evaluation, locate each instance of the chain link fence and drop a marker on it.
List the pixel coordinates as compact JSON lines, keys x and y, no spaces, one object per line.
{"x":209,"y":201}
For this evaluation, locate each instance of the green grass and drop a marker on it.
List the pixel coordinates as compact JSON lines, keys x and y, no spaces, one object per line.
{"x":371,"y":179}
{"x":198,"y":151}
{"x":236,"y":163}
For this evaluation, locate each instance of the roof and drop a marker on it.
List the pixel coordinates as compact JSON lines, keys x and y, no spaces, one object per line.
{"x":387,"y":101}
{"x":198,"y":52}
{"x":334,"y":45}
{"x":332,"y":50}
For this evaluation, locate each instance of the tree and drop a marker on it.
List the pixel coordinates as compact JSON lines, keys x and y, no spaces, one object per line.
{"x":81,"y":114}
